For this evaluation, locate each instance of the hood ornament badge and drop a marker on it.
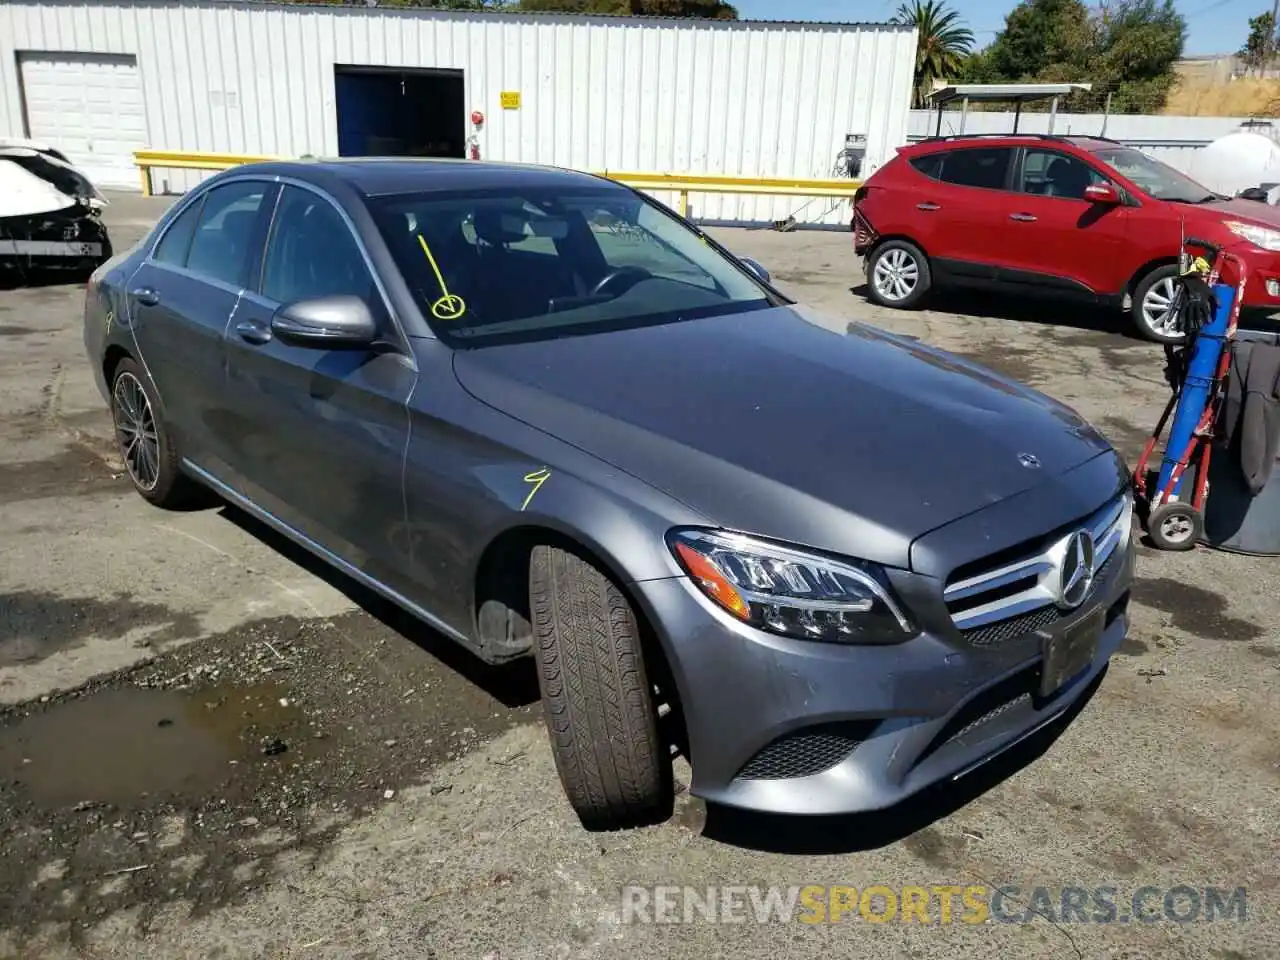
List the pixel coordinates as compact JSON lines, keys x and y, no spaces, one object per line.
{"x":1029,"y":460}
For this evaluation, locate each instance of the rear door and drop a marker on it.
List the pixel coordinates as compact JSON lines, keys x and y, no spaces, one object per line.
{"x":967,"y":210}
{"x":180,"y":301}
{"x":318,"y":434}
{"x":1057,"y":236}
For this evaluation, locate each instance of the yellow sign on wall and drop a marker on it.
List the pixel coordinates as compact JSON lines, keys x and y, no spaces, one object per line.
{"x":510,"y":99}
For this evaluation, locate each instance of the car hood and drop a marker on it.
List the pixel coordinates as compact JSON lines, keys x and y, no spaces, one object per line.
{"x":1238,"y":209}
{"x":771,"y":423}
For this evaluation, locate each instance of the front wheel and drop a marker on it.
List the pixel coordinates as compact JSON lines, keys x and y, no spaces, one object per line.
{"x":1175,"y":526}
{"x":596,"y":695}
{"x":1154,"y":308}
{"x":898,"y":275}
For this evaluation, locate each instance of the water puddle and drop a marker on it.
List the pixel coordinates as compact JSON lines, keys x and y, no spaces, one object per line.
{"x":128,"y":746}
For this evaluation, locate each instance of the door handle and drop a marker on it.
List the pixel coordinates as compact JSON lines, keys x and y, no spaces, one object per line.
{"x":927,"y":206}
{"x":1022,"y":217}
{"x":147,"y":296}
{"x":254,"y":332}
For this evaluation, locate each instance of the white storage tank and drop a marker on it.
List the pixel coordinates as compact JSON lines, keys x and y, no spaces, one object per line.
{"x":1247,"y":157}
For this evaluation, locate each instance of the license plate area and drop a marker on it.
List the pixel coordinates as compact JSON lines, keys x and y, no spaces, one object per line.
{"x":1070,"y":652}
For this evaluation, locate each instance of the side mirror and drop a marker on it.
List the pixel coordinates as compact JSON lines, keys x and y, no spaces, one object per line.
{"x":327,"y":323}
{"x":1101,"y":193}
{"x":761,"y":273}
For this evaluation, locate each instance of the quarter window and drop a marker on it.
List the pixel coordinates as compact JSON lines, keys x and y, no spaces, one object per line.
{"x":223,"y":241}
{"x":930,"y":165}
{"x":1048,"y":173}
{"x":312,"y":252}
{"x":176,"y":241}
{"x":980,"y":167}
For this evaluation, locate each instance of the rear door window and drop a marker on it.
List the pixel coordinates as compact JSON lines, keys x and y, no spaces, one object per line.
{"x":986,"y":167}
{"x":225,"y":239}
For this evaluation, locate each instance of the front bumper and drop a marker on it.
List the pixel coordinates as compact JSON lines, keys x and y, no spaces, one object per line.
{"x":790,"y":727}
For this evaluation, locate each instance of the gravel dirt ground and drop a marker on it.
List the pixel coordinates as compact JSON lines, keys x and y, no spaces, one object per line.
{"x":211,"y":746}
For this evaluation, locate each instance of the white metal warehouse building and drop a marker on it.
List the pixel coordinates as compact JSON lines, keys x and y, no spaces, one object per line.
{"x":99,"y":80}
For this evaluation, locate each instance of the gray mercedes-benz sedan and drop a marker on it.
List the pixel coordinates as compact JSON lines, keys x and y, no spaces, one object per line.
{"x":551,"y":418}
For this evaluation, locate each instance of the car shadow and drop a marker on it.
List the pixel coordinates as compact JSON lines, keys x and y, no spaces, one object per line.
{"x":513,"y":684}
{"x":1046,"y":311}
{"x":18,"y":278}
{"x":855,"y":833}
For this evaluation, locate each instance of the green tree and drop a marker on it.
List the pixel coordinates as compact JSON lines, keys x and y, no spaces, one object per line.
{"x":705,"y":9}
{"x":1125,"y":48}
{"x":1262,"y":41}
{"x":942,"y":41}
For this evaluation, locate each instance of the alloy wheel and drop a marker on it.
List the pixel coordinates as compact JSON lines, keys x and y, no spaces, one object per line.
{"x":895,"y":275}
{"x":136,"y":431}
{"x":1177,"y":528}
{"x":1159,"y":312}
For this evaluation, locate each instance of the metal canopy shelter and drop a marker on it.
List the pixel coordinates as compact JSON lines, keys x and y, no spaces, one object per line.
{"x":1015,"y":93}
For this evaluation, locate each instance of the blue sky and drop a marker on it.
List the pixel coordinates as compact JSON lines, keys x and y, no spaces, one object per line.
{"x":1213,"y":26}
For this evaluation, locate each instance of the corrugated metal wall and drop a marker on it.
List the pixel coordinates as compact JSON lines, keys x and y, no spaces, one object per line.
{"x":651,"y":95}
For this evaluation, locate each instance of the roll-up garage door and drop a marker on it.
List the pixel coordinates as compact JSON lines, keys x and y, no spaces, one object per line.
{"x":89,"y":106}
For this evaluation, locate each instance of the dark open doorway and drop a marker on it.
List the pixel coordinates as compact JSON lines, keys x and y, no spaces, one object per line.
{"x":396,"y":112}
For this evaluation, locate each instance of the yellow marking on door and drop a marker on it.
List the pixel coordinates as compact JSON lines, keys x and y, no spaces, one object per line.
{"x":537,"y":478}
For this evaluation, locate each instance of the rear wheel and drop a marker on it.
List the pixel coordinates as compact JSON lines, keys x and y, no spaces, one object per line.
{"x":596,"y":695}
{"x":144,"y":441}
{"x":898,"y":275}
{"x":1154,"y":309}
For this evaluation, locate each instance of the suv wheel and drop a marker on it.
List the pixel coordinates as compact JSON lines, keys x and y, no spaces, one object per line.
{"x":596,"y":695}
{"x":1152,"y":307}
{"x":898,"y":274}
{"x":143,"y":439}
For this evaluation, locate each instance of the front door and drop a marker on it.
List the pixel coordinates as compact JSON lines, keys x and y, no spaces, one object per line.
{"x":180,"y":301}
{"x":1062,"y":239}
{"x":320,"y":434}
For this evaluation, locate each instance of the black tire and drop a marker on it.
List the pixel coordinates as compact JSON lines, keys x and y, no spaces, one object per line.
{"x":169,"y":488}
{"x":596,"y":695}
{"x":1175,"y":526}
{"x":905,"y":261}
{"x":1142,"y":318}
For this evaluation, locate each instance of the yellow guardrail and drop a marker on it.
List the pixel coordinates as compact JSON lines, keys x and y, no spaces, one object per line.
{"x":682,"y":184}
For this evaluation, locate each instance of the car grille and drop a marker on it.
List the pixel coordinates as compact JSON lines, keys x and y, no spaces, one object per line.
{"x":805,"y":753}
{"x":1016,"y":592}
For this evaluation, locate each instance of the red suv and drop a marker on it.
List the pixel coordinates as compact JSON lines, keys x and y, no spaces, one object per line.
{"x":1044,"y":214}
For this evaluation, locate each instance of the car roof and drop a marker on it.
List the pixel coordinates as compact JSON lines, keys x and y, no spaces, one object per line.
{"x":389,"y":176}
{"x":933,"y":144}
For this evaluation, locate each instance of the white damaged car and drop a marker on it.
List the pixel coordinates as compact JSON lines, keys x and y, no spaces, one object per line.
{"x":50,"y":213}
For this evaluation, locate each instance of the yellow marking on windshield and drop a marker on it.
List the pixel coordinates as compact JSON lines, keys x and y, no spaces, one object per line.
{"x":537,"y":478}
{"x":450,"y":306}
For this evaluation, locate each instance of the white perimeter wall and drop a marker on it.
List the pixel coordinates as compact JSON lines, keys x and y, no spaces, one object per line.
{"x":598,"y":93}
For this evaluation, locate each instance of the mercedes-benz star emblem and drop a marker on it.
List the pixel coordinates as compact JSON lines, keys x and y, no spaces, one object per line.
{"x":1029,"y":460}
{"x":1077,"y":570}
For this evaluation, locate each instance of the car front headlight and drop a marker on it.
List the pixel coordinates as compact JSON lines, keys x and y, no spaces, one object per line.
{"x":791,"y":592}
{"x":1259,"y":236}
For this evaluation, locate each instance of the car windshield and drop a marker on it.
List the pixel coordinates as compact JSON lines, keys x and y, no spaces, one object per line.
{"x":540,"y":263}
{"x":1155,"y":178}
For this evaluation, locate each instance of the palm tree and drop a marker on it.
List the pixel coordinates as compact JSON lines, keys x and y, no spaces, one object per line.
{"x":942,"y":41}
